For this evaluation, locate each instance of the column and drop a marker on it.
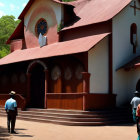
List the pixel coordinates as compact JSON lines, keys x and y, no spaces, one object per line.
{"x":46,"y":87}
{"x":86,"y":78}
{"x":86,"y":82}
{"x":28,"y":87}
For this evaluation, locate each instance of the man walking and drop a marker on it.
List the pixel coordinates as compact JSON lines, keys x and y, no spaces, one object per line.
{"x":135,"y":102}
{"x":11,"y":110}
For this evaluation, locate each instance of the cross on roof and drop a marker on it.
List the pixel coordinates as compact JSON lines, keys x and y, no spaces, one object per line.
{"x":135,"y":7}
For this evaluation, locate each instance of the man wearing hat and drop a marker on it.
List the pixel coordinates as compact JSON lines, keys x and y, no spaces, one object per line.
{"x":135,"y":102}
{"x":11,"y":110}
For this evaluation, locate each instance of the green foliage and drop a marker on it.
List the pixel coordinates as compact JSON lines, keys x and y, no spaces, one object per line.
{"x":59,"y":27}
{"x":7,"y":27}
{"x":4,"y":50}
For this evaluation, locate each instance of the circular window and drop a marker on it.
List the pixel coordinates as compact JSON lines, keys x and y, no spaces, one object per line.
{"x":56,"y":73}
{"x":14,"y":78}
{"x":4,"y":80}
{"x":78,"y":72}
{"x":22,"y":78}
{"x":68,"y":73}
{"x":41,"y":27}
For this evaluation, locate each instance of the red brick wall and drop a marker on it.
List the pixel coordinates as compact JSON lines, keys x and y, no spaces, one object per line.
{"x":16,"y":45}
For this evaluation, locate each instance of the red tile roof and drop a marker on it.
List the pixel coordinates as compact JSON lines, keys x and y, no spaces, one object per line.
{"x":135,"y":62}
{"x":95,"y":11}
{"x":90,"y":11}
{"x":25,"y":10}
{"x":61,"y":48}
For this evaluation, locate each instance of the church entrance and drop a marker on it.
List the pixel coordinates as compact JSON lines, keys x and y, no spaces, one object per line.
{"x":37,"y":87}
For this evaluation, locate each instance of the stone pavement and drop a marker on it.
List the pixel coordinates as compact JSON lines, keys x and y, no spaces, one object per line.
{"x":45,"y":131}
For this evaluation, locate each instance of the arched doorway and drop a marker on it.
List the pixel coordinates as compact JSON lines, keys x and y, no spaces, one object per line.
{"x":36,"y":84}
{"x":37,"y":88}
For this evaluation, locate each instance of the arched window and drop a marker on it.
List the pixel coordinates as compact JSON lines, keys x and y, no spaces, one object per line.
{"x":133,"y":36}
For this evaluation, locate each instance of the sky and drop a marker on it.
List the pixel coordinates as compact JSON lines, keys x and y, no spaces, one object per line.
{"x":12,"y":7}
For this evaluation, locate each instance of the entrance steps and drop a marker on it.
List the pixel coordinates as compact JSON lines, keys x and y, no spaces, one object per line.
{"x":75,"y":117}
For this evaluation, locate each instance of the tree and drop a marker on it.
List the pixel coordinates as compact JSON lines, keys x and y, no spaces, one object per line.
{"x":7,"y":27}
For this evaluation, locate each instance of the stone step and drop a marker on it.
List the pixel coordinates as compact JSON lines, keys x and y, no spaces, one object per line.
{"x":75,"y":123}
{"x":80,"y":111}
{"x":60,"y":114}
{"x":69,"y":118}
{"x":115,"y":111}
{"x":72,"y":117}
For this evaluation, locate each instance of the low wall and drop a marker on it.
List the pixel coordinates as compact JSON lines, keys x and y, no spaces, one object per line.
{"x":100,"y":101}
{"x":21,"y":102}
{"x":80,"y":101}
{"x":65,"y":101}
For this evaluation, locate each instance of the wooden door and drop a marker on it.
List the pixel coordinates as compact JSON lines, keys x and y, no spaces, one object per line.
{"x":37,"y":87}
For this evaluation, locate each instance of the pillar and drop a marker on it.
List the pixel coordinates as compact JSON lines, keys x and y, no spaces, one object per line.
{"x":46,"y":87}
{"x":28,"y":87}
{"x":86,"y":82}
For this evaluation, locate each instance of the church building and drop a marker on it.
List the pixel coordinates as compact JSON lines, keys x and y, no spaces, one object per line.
{"x":79,"y":55}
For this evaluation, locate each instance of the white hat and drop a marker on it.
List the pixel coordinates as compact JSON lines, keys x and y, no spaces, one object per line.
{"x":12,"y":93}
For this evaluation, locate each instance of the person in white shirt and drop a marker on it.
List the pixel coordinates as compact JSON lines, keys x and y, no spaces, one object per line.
{"x":134,"y":102}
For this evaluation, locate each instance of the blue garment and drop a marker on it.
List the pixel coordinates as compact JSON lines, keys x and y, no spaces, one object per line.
{"x":138,"y":138}
{"x":134,"y":115}
{"x":10,"y":104}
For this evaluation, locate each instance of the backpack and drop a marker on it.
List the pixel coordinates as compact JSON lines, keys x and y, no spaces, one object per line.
{"x":138,"y":111}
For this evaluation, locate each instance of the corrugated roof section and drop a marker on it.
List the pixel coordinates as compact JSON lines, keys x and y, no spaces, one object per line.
{"x":61,"y":48}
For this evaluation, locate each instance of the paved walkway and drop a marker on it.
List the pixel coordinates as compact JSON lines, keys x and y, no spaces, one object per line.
{"x":45,"y":131}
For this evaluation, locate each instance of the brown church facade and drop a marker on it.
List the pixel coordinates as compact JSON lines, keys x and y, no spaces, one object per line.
{"x":73,"y":55}
{"x":60,"y":82}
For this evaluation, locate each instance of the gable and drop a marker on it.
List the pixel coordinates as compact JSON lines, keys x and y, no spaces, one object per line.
{"x":87,"y":12}
{"x":90,"y":12}
{"x":48,"y":10}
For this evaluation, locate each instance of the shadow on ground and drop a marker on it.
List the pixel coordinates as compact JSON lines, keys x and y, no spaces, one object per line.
{"x":123,"y":124}
{"x":4,"y":135}
{"x":116,"y":124}
{"x":20,"y":133}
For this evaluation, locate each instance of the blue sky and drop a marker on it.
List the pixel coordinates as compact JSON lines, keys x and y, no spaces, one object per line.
{"x":12,"y":7}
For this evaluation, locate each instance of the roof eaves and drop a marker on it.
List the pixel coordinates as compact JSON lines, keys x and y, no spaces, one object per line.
{"x":21,"y":16}
{"x":27,"y":7}
{"x":135,"y":62}
{"x":18,"y":28}
{"x":72,"y":27}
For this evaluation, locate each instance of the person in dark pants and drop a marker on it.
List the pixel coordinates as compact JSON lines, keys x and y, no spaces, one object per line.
{"x":135,"y":105}
{"x":11,"y":110}
{"x":135,"y":102}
